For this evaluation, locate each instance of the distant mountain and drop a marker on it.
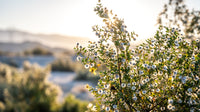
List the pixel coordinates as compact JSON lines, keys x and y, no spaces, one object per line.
{"x":20,"y":47}
{"x":54,"y":40}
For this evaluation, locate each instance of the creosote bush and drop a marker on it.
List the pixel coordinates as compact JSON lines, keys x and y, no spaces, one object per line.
{"x":161,"y":74}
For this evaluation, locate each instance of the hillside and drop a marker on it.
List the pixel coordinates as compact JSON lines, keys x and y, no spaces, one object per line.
{"x":19,"y":47}
{"x":53,"y":40}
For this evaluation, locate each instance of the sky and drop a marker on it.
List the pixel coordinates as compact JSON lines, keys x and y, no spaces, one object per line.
{"x":76,"y":17}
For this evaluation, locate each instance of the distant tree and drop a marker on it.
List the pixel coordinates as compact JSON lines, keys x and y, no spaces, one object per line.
{"x":38,"y":51}
{"x":176,"y":13}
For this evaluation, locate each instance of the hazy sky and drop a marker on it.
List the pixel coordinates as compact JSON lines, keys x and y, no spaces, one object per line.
{"x":76,"y":17}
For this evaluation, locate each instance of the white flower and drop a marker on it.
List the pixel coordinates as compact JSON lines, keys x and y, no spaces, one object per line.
{"x":148,"y":67}
{"x":158,"y":90}
{"x":162,"y":48}
{"x":175,"y":72}
{"x":133,"y":51}
{"x":89,"y":105}
{"x":116,"y":110}
{"x":133,"y":87}
{"x":147,"y":47}
{"x":107,"y":108}
{"x":107,"y":52}
{"x":129,"y":85}
{"x":152,"y":51}
{"x":176,"y":42}
{"x":170,"y":101}
{"x":141,"y":72}
{"x":92,"y":64}
{"x":87,"y":66}
{"x":184,"y":79}
{"x":106,"y":86}
{"x":94,"y":108}
{"x":160,"y":60}
{"x":152,"y":45}
{"x":173,"y":108}
{"x":123,"y":85}
{"x":173,"y":30}
{"x":198,"y":91}
{"x":189,"y":90}
{"x":134,"y":83}
{"x":140,"y":47}
{"x":168,"y":58}
{"x":153,"y":66}
{"x":132,"y":76}
{"x":155,"y":74}
{"x":111,"y":30}
{"x":180,"y":77}
{"x":137,"y":58}
{"x":180,"y":39}
{"x":123,"y":48}
{"x":133,"y":63}
{"x":173,"y":77}
{"x":153,"y":41}
{"x":150,"y":98}
{"x":100,"y":91}
{"x":78,"y":58}
{"x":191,"y":110}
{"x":115,"y":106}
{"x":180,"y":55}
{"x":168,"y":38}
{"x":95,"y":53}
{"x":193,"y":58}
{"x":196,"y":78}
{"x":117,"y":76}
{"x":179,"y":101}
{"x":143,"y":81}
{"x":132,"y":71}
{"x":165,"y":67}
{"x":147,"y":79}
{"x":77,"y":44}
{"x":123,"y":60}
{"x":155,"y":84}
{"x":102,"y":107}
{"x":134,"y":98}
{"x":145,"y":65}
{"x":169,"y":106}
{"x":112,"y":56}
{"x":162,"y":108}
{"x":144,"y":92}
{"x":188,"y":43}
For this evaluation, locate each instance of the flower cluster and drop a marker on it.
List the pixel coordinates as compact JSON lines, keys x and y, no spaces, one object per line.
{"x":161,"y":74}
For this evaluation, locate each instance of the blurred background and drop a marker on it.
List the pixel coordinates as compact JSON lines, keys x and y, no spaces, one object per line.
{"x":38,"y":67}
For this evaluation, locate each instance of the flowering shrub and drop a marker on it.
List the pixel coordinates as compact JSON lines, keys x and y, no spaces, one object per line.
{"x":161,"y":74}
